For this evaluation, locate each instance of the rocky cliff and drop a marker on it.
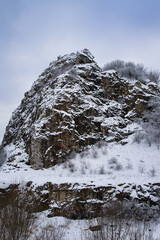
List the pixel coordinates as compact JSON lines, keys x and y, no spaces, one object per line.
{"x":73,"y":104}
{"x":87,"y":201}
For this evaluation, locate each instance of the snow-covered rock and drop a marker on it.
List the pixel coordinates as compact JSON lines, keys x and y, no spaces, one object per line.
{"x":71,"y":105}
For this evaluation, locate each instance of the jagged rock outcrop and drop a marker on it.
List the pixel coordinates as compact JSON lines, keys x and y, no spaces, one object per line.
{"x":87,"y":201}
{"x":73,"y":104}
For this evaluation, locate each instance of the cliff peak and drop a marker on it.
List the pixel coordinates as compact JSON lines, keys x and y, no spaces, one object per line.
{"x":73,"y":104}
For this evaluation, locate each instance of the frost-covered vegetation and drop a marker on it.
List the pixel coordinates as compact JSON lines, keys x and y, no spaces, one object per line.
{"x":118,"y":220}
{"x":131,"y":70}
{"x":16,"y":216}
{"x":150,"y":124}
{"x":100,"y":163}
{"x":114,"y":223}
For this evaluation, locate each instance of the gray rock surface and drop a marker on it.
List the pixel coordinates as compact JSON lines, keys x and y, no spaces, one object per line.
{"x":71,"y":105}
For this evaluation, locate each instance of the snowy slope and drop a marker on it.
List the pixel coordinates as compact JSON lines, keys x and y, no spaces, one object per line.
{"x":100,"y":165}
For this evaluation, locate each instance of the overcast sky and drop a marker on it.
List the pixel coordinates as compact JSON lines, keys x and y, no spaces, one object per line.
{"x":34,"y":32}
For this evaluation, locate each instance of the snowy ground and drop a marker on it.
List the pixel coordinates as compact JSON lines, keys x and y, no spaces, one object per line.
{"x":100,"y":165}
{"x":66,"y":229}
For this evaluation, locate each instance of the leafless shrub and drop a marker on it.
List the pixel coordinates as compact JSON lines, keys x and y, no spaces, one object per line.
{"x":84,"y":154}
{"x":140,"y":231}
{"x":104,"y":150}
{"x":84,"y":166}
{"x":152,"y":172}
{"x":101,"y":144}
{"x":50,"y":232}
{"x":154,"y":76}
{"x":71,"y":167}
{"x":116,"y":64}
{"x":118,"y":167}
{"x":114,"y":164}
{"x":65,"y":165}
{"x":141,"y":167}
{"x":16,"y":216}
{"x":112,"y":161}
{"x":133,"y":71}
{"x":151,"y":123}
{"x":94,"y":154}
{"x":138,"y":137}
{"x":102,"y":170}
{"x":83,"y":170}
{"x":149,"y":140}
{"x":117,"y":222}
{"x":129,"y":165}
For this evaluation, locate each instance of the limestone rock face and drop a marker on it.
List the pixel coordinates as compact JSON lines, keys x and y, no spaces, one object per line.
{"x":71,"y":105}
{"x":88,"y":201}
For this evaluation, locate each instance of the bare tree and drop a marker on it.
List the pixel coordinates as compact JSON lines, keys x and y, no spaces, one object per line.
{"x":16,"y":216}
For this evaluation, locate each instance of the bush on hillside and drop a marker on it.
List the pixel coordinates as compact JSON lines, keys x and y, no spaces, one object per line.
{"x":131,"y":70}
{"x":150,"y":124}
{"x":151,"y":121}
